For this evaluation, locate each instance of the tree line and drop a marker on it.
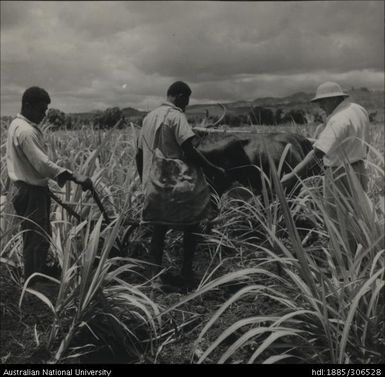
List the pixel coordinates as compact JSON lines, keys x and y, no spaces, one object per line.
{"x":99,"y":119}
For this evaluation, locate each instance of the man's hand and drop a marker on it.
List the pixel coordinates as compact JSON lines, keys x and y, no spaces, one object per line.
{"x":82,"y":180}
{"x":63,"y":177}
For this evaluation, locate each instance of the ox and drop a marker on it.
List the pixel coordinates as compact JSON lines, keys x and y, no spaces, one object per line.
{"x":238,"y":154}
{"x":245,"y":156}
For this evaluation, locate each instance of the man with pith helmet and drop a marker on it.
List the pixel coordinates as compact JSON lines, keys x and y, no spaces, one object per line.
{"x":341,"y":145}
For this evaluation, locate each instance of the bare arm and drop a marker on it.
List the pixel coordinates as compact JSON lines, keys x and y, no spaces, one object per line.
{"x":312,"y":158}
{"x":196,"y":157}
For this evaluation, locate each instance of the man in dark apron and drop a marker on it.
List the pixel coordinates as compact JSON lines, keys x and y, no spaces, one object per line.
{"x":176,"y":192}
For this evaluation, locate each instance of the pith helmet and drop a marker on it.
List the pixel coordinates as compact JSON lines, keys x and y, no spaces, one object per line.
{"x":329,"y":89}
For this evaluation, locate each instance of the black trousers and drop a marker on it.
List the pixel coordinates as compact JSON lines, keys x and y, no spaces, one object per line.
{"x":33,"y":204}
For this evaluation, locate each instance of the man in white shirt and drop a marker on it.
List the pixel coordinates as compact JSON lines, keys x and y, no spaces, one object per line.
{"x":341,"y":143}
{"x":29,"y":169}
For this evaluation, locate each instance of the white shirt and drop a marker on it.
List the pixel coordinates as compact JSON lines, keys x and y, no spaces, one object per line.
{"x":174,"y":130}
{"x":345,"y":135}
{"x":318,"y":130}
{"x":27,"y":158}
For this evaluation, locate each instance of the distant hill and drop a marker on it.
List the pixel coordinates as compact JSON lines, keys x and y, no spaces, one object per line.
{"x":130,"y":112}
{"x":371,"y":100}
{"x":83,"y":116}
{"x":367,"y":98}
{"x":293,"y":99}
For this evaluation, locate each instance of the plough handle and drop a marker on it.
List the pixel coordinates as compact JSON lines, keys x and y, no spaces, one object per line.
{"x":100,"y":205}
{"x":65,"y":206}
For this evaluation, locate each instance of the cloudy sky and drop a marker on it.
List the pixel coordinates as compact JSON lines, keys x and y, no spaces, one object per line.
{"x":92,"y":55}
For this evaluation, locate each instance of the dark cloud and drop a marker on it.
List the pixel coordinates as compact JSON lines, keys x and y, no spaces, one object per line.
{"x":12,"y":15}
{"x":273,"y":38}
{"x":97,"y":54}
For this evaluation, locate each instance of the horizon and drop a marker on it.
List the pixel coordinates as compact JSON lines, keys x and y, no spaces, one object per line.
{"x":102,"y":54}
{"x":213,"y":102}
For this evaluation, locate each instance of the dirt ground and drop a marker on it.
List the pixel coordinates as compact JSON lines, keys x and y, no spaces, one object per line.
{"x":25,"y":329}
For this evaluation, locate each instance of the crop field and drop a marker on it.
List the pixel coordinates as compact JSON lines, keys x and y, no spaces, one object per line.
{"x":270,"y":292}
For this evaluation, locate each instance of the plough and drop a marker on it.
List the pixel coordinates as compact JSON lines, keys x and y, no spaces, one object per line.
{"x":121,"y":244}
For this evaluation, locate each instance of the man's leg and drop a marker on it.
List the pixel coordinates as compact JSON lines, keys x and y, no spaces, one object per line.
{"x":338,"y":191}
{"x":35,"y":248}
{"x":362,"y":174}
{"x":156,"y":248}
{"x":190,"y":240}
{"x":33,"y":203}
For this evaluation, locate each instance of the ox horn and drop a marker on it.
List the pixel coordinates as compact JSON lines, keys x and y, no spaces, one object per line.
{"x":215,"y":124}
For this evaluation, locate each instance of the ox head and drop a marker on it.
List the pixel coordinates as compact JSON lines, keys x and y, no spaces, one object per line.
{"x":230,"y":155}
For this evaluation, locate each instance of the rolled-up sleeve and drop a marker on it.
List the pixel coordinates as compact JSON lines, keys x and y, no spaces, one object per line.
{"x":332,"y":136}
{"x":183,"y":130}
{"x":31,"y":147}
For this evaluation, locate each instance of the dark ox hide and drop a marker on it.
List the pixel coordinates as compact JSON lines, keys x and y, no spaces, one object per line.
{"x":239,"y":154}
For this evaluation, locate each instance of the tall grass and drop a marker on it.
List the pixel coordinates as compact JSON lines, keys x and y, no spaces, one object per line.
{"x":93,"y":300}
{"x":324,"y":301}
{"x":328,"y":301}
